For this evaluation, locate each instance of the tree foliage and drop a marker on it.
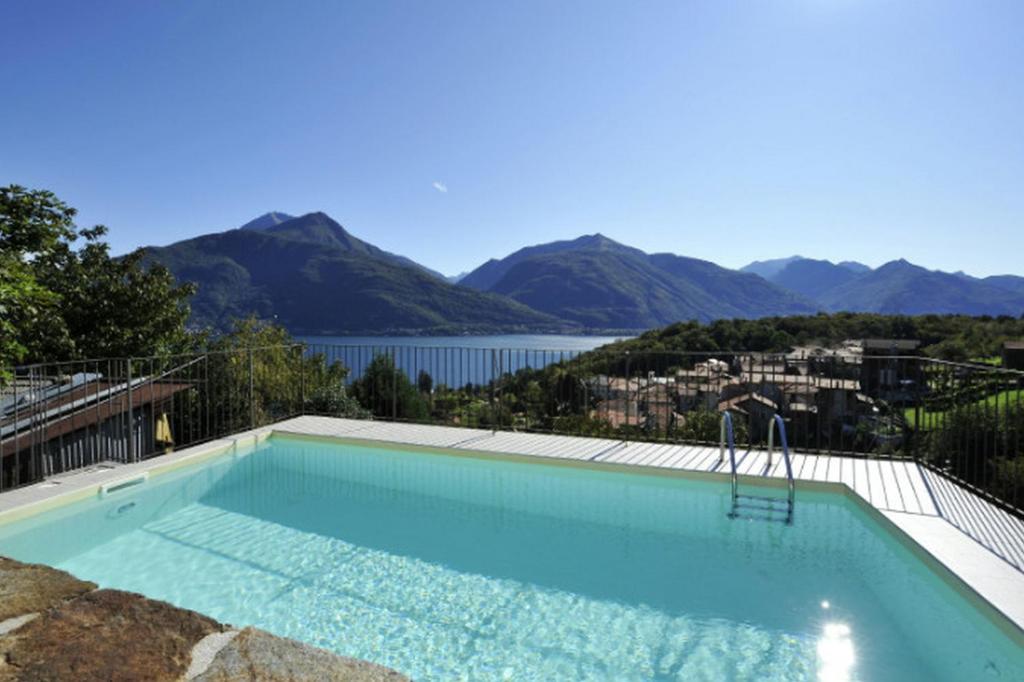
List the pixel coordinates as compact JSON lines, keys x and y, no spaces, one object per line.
{"x":948,"y":337}
{"x":386,"y":391}
{"x":285,"y":380}
{"x":61,"y":303}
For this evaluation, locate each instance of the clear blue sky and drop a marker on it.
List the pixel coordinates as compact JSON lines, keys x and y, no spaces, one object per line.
{"x":841,"y":129}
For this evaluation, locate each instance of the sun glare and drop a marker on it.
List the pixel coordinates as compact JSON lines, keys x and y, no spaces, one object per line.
{"x":836,"y":656}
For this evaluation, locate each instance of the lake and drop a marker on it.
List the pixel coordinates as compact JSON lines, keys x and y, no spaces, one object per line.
{"x":535,"y":342}
{"x":455,"y":360}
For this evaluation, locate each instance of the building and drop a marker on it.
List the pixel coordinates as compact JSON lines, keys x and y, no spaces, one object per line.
{"x":80,"y":420}
{"x":754,"y":408}
{"x":1013,"y":355}
{"x":889,"y":346}
{"x":890,"y":369}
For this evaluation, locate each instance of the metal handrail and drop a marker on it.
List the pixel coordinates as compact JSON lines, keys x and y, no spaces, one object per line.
{"x":777,"y":421}
{"x":727,"y":437}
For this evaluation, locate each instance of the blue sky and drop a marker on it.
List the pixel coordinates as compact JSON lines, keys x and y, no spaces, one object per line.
{"x":732,"y":131}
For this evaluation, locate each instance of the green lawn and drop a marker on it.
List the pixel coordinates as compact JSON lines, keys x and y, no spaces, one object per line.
{"x":1012,"y":399}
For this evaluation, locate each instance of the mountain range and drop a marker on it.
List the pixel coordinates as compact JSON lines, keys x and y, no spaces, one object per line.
{"x":599,"y":283}
{"x":313,"y":276}
{"x":309,"y":274}
{"x":897,"y":287}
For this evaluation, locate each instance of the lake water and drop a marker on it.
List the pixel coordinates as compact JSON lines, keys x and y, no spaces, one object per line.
{"x":454,"y":360}
{"x":534,"y":342}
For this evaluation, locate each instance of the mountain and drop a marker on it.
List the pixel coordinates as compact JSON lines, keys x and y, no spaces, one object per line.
{"x":600,"y":283}
{"x":1006,"y":282}
{"x":853,"y":265}
{"x":904,"y":288}
{"x":812,"y":278}
{"x":267,"y":220}
{"x":769,"y":268}
{"x":488,"y":274}
{"x":896,"y":287}
{"x":455,"y":279}
{"x":314,"y":277}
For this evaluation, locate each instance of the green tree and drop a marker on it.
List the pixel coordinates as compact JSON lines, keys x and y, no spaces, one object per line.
{"x":284,"y":377}
{"x":62,"y":303}
{"x":425,"y":382}
{"x":704,"y":426}
{"x":386,"y":391}
{"x":32,"y":225}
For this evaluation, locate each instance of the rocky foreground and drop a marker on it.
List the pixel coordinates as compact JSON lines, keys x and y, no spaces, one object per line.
{"x":56,"y":627}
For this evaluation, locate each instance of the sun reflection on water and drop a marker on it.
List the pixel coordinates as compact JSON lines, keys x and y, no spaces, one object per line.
{"x":836,"y":656}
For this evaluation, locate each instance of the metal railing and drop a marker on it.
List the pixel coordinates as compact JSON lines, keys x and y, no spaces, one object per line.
{"x":778,"y":423}
{"x":964,"y":421}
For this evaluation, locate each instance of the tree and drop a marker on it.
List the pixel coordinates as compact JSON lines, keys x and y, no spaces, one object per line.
{"x":59,"y":303}
{"x":386,"y":391}
{"x":425,"y":382}
{"x":32,"y":225}
{"x":284,"y":378}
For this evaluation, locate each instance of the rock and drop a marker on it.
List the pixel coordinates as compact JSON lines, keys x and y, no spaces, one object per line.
{"x":57,"y":627}
{"x":258,"y":655}
{"x":105,"y":635}
{"x":32,"y":588}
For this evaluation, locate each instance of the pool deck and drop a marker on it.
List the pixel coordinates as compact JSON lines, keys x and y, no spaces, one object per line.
{"x":959,"y":531}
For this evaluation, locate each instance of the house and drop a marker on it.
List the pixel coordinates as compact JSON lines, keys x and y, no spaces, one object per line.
{"x":1013,"y":355}
{"x":47,"y":427}
{"x":889,"y":346}
{"x":755,"y":409}
{"x":890,"y":369}
{"x":618,"y":412}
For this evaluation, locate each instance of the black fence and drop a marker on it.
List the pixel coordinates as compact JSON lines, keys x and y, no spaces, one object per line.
{"x":965,"y":421}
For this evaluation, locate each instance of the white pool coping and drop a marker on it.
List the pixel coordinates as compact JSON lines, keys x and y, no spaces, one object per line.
{"x":975,"y":546}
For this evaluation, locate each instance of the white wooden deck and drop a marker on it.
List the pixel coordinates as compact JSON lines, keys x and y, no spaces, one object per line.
{"x":976,"y":540}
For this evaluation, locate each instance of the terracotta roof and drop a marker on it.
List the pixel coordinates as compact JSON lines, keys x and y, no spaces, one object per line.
{"x":733,"y":403}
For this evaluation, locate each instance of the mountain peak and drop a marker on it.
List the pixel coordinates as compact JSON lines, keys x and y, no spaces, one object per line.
{"x":595,"y":240}
{"x":900,"y":264}
{"x":855,"y":266}
{"x":769,"y":268}
{"x":267,"y":220}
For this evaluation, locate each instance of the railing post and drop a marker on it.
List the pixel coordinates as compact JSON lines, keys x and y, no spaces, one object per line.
{"x":394,"y":384}
{"x":252,"y":402}
{"x":627,"y":397}
{"x":16,"y":473}
{"x":302,"y":378}
{"x":131,"y":414}
{"x":494,"y":381}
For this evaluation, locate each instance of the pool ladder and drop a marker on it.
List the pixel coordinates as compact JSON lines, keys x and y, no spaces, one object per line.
{"x":764,"y":508}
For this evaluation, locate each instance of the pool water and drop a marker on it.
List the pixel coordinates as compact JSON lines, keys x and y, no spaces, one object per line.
{"x":447,"y":567}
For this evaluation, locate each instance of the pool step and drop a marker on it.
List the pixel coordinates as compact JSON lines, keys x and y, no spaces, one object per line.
{"x":760,"y":507}
{"x":760,"y":502}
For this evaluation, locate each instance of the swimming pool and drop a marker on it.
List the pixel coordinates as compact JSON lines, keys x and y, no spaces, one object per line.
{"x":454,"y":567}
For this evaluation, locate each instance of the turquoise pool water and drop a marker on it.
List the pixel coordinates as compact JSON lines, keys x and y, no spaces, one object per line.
{"x":453,"y":568}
